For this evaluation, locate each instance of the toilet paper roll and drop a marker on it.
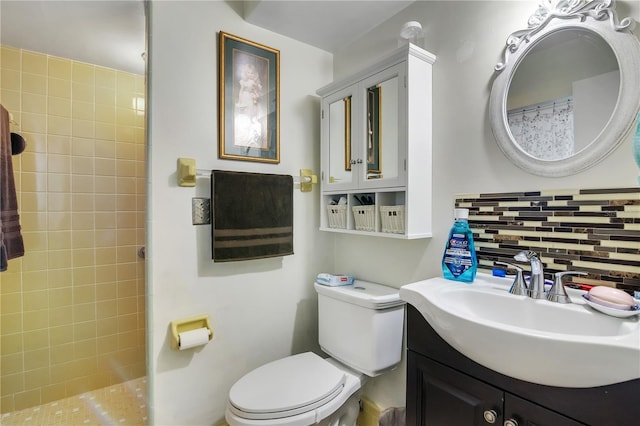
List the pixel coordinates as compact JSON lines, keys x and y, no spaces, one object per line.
{"x":192,"y":338}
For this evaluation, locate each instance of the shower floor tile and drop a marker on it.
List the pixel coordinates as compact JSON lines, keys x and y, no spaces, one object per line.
{"x":121,"y":404}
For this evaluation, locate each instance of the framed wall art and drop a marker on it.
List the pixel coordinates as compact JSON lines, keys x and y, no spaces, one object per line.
{"x":249,"y":100}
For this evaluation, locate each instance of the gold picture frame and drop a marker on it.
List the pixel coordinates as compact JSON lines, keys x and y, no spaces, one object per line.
{"x":249,"y":100}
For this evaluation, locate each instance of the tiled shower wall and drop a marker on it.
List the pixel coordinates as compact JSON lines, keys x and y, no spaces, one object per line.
{"x":72,"y":309}
{"x":592,"y":230}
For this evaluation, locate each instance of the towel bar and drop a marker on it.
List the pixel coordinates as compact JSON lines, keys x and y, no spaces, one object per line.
{"x":187,"y":177}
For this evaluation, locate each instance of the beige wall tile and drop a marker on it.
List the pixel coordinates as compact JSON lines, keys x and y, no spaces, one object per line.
{"x":82,"y":166}
{"x":84,"y":293}
{"x":27,"y":399}
{"x":105,"y":167}
{"x":33,"y":201}
{"x":34,"y":280}
{"x":60,"y":337}
{"x":35,"y":241}
{"x":10,"y":79}
{"x":12,"y":364}
{"x":35,"y":320}
{"x":84,"y":326}
{"x":59,"y":125}
{"x":59,"y":88}
{"x":33,"y":181}
{"x":10,"y":344}
{"x":34,"y":63}
{"x":10,"y":58}
{"x":36,"y":339}
{"x":59,"y":297}
{"x":58,"y":221}
{"x":59,"y":240}
{"x":59,"y":68}
{"x":60,"y":259}
{"x":35,"y":123}
{"x":105,"y":132}
{"x":105,"y":220}
{"x":34,"y":83}
{"x":105,"y":77}
{"x":38,"y":359}
{"x":58,"y":182}
{"x":84,"y":275}
{"x":82,"y":128}
{"x":82,"y":92}
{"x":59,"y":106}
{"x":34,"y":103}
{"x":82,"y":73}
{"x":11,"y":323}
{"x":106,"y":289}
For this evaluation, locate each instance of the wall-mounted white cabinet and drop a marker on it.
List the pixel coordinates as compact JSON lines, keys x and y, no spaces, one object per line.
{"x":376,"y":148}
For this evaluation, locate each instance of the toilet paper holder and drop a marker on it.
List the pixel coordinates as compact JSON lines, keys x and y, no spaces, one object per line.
{"x":188,"y":324}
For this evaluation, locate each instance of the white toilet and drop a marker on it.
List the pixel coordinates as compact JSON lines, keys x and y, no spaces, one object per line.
{"x":360,"y":327}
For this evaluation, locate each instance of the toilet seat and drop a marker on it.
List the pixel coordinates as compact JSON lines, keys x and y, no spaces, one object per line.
{"x":299,"y":387}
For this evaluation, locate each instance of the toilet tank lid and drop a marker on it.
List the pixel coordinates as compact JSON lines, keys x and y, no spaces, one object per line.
{"x":363,"y":293}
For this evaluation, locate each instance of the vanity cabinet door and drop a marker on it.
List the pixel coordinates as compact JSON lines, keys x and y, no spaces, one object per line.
{"x":520,"y":412}
{"x":441,"y":396}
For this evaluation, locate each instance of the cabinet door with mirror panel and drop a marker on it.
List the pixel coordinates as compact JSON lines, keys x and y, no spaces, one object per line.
{"x":362,"y":132}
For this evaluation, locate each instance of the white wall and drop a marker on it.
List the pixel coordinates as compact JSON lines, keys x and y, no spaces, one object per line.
{"x":467,"y":38}
{"x":260,"y":310}
{"x":263,"y":310}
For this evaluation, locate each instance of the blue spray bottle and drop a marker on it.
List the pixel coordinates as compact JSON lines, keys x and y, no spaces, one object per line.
{"x":459,"y":261}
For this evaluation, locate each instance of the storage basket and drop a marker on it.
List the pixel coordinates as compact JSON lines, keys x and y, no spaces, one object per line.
{"x":364,"y":217}
{"x":337,"y":216}
{"x":392,"y":219}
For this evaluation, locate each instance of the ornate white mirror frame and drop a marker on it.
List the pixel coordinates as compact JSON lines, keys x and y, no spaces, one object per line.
{"x":600,"y":18}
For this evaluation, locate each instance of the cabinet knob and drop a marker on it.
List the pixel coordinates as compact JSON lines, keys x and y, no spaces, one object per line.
{"x":490,"y":416}
{"x":511,"y":422}
{"x":352,"y":162}
{"x":359,"y":161}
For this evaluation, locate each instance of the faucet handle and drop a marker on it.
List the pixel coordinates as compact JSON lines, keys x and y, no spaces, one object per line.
{"x":519,"y":286}
{"x":558,"y":293}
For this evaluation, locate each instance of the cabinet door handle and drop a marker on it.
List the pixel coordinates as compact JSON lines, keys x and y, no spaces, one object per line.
{"x":511,"y":422}
{"x":490,"y":416}
{"x":359,"y":161}
{"x":352,"y":162}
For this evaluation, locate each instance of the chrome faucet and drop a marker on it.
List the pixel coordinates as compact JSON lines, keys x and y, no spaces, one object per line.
{"x":536,"y":283}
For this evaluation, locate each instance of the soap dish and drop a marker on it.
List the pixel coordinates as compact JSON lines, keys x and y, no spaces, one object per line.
{"x":620,"y":313}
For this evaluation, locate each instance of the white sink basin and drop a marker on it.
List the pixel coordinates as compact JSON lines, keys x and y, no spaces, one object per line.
{"x":568,"y":345}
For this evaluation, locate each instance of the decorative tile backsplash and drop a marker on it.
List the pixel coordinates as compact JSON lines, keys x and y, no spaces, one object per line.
{"x":592,"y":230}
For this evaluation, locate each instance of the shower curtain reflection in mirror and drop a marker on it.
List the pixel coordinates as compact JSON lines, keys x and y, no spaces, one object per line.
{"x":544,"y":130}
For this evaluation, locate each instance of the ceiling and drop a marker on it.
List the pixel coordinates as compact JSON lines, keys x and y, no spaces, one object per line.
{"x":112,"y":33}
{"x":324,"y":24}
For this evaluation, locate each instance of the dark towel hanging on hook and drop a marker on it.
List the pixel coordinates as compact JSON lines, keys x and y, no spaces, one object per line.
{"x":11,"y":243}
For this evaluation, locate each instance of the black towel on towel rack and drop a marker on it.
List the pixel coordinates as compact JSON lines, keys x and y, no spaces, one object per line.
{"x":252,"y":215}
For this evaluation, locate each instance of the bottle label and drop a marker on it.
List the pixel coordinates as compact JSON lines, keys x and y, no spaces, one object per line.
{"x":457,"y":256}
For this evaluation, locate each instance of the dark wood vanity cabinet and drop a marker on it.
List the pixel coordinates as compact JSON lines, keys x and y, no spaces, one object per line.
{"x":446,"y":397}
{"x":445,"y":388}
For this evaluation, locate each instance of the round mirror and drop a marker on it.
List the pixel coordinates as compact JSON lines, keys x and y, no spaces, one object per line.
{"x":568,"y":91}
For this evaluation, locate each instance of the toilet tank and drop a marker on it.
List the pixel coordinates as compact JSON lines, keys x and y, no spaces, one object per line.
{"x":361,"y":325}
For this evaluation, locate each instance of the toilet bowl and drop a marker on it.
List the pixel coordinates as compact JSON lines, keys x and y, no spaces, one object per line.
{"x":360,"y":327}
{"x":299,"y":390}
